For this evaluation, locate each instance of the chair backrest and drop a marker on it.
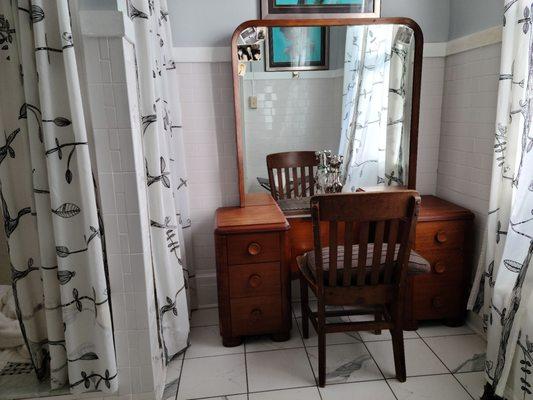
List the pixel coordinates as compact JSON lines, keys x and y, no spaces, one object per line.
{"x":385,"y":218}
{"x":292,"y":174}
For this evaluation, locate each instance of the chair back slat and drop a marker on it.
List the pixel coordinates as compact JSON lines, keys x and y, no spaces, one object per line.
{"x":289,"y":185}
{"x":333,"y":229}
{"x":276,"y":188}
{"x":303,"y":181}
{"x":393,"y":218}
{"x":363,"y":251}
{"x":391,"y":250}
{"x":348,"y":243}
{"x":295,"y":182}
{"x":379,"y":232}
{"x":311,"y":176}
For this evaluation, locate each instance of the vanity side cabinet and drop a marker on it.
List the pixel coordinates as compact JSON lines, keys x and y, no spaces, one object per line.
{"x":444,"y":237}
{"x":252,"y":273}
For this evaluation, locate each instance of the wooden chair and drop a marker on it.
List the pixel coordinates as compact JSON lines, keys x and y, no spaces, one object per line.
{"x":292,"y":174}
{"x":364,"y":266}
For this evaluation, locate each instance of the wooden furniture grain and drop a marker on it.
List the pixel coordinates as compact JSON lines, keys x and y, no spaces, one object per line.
{"x":444,"y":236}
{"x":269,"y":23}
{"x":252,"y":271}
{"x":292,"y":174}
{"x":374,"y":223}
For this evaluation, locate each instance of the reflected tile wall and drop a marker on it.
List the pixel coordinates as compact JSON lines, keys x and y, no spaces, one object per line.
{"x":206,"y":97}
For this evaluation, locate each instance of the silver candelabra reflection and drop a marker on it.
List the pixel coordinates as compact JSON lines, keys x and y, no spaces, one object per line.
{"x":328,"y":175}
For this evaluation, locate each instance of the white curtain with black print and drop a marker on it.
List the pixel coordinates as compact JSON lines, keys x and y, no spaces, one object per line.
{"x":376,"y":72}
{"x":503,"y":286}
{"x":165,"y":171}
{"x":48,"y":200}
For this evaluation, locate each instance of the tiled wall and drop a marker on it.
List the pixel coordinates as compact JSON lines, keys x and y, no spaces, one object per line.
{"x":291,"y":115}
{"x":467,"y":135}
{"x":112,"y":88}
{"x":209,"y":133}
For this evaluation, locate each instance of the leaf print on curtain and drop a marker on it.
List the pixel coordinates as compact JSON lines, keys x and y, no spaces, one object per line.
{"x":165,"y":172}
{"x":49,"y":203}
{"x":503,"y":285}
{"x":376,"y":70}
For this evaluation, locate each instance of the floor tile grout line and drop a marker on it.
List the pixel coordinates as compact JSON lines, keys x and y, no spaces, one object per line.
{"x":179,"y":377}
{"x":380,"y":371}
{"x":283,"y":389}
{"x":216,"y":355}
{"x":443,"y":363}
{"x":307,"y":354}
{"x":246,"y":372}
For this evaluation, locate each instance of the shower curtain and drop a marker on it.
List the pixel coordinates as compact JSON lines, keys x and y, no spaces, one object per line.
{"x":165,"y":171}
{"x":374,"y":100}
{"x":503,"y":287}
{"x":48,"y":200}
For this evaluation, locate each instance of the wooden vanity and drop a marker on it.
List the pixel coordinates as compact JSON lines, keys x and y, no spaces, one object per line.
{"x":257,"y":245}
{"x":286,"y":116}
{"x":253,"y":273}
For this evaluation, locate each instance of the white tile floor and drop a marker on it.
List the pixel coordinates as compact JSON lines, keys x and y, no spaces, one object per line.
{"x":443,"y":363}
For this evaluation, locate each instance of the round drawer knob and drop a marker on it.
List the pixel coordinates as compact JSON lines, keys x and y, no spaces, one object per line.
{"x":255,"y":281}
{"x":437,"y":302}
{"x":441,"y":237}
{"x":440,"y":267}
{"x":256,"y":315}
{"x":254,"y":249}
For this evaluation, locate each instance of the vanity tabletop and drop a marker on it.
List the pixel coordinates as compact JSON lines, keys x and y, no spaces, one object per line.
{"x":261,"y":213}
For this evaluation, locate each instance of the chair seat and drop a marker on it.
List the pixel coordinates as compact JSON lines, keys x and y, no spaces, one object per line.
{"x":417,"y":264}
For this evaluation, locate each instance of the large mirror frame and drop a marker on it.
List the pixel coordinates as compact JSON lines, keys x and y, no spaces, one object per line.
{"x":417,"y":80}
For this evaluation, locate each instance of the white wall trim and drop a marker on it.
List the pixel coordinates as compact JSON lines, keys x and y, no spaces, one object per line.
{"x":479,"y":39}
{"x":201,"y":54}
{"x":432,"y":50}
{"x":223,"y":54}
{"x":106,"y":24}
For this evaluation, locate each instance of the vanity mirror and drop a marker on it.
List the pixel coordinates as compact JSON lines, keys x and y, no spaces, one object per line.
{"x":349,"y":86}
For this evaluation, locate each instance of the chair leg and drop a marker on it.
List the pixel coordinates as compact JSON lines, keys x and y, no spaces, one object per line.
{"x":378,"y":318}
{"x":321,"y":356}
{"x":399,"y":353}
{"x":304,"y":296}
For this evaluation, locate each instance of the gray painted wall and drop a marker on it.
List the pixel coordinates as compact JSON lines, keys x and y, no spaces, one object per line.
{"x":220,"y":18}
{"x":470,"y":16}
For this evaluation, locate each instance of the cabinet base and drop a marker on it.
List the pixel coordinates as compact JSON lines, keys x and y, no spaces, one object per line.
{"x":281,"y":337}
{"x":229,"y":341}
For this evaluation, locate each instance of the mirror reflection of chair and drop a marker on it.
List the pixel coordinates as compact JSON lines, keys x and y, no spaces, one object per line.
{"x":292,"y":174}
{"x":363,"y":267}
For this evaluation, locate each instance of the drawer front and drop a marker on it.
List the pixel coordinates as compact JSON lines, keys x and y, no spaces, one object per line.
{"x":436,"y":300}
{"x":255,"y":280}
{"x":440,"y":235}
{"x":446,"y":265}
{"x":253,"y":248}
{"x":256,"y":315}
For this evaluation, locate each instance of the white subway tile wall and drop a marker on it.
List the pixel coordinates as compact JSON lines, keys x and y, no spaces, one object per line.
{"x":114,"y":112}
{"x":206,"y":96}
{"x":468,"y":128}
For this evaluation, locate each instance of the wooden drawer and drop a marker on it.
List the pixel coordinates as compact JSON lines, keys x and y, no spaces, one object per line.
{"x":255,"y":280}
{"x":253,"y":248}
{"x":440,"y":235}
{"x":436,"y":300}
{"x":446,"y":265}
{"x":256,"y":315}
